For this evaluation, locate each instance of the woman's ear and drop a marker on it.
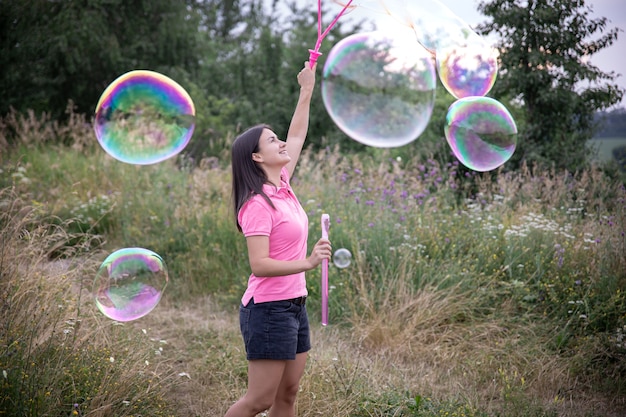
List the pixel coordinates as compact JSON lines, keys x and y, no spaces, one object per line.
{"x":256,"y":157}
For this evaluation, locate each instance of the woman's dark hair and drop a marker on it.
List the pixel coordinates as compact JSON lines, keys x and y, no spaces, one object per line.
{"x":248,"y":177}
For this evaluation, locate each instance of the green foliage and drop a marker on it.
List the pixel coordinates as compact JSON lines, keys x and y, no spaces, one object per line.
{"x":48,"y":58}
{"x":543,"y":67}
{"x":239,"y":64}
{"x":418,"y":406}
{"x":254,"y":74}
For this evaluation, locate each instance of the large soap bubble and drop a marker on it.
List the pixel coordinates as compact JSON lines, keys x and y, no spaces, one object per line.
{"x":129,"y":283}
{"x":466,"y":64}
{"x":144,"y":117}
{"x":379,"y":88}
{"x":432,"y":23}
{"x":435,"y":25}
{"x":481,"y":132}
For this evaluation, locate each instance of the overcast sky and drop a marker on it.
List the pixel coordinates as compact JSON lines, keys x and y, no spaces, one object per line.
{"x":609,"y":59}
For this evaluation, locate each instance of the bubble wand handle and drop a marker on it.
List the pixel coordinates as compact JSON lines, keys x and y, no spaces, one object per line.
{"x":325,"y":227}
{"x":315,"y":53}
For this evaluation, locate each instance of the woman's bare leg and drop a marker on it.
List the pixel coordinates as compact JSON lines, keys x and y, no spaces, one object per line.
{"x":264,"y":379}
{"x":285,"y":400}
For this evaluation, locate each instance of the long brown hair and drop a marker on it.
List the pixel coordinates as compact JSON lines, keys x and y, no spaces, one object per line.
{"x":247,"y":176}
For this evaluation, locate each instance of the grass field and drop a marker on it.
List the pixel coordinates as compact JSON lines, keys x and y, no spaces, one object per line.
{"x":469,"y":295}
{"x":605,"y":147}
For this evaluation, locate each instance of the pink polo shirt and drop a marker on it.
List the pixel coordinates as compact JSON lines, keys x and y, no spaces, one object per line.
{"x":287,"y":228}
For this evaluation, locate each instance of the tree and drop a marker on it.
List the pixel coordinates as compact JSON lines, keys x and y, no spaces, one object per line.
{"x":238,"y":63}
{"x":255,"y":68}
{"x":545,"y":47}
{"x":51,"y":52}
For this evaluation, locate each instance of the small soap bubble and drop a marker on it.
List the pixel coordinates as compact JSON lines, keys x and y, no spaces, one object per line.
{"x":342,"y":258}
{"x":144,"y":117}
{"x":130,"y":283}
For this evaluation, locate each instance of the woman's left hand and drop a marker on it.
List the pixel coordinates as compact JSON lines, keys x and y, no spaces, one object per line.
{"x":322,"y":250}
{"x":306,"y":76}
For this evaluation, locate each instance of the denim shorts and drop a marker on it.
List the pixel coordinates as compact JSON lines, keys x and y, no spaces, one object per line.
{"x":274,"y":330}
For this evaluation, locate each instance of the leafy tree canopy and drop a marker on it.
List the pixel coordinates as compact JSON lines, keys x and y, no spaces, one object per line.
{"x":545,"y":46}
{"x":239,"y":64}
{"x":55,"y":51}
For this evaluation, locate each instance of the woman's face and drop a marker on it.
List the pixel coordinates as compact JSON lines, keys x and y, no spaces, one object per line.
{"x":272,"y":151}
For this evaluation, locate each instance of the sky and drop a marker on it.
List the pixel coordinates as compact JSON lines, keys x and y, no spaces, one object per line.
{"x":611,"y":59}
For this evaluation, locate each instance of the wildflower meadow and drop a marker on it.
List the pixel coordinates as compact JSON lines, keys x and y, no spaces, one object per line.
{"x":468,"y":294}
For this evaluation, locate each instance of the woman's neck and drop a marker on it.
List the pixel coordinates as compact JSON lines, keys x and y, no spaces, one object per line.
{"x":273,"y":176}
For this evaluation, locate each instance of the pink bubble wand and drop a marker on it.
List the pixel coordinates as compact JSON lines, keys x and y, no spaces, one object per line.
{"x":315,"y":53}
{"x":325,"y":227}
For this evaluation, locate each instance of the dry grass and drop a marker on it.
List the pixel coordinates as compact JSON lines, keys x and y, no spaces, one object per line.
{"x":412,"y":350}
{"x":412,"y":343}
{"x":57,"y":353}
{"x":32,"y":130}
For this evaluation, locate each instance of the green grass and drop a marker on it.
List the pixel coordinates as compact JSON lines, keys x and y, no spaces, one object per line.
{"x":495,"y":294}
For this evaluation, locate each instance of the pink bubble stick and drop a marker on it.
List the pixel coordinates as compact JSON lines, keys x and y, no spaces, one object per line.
{"x":325,"y":227}
{"x":315,"y":53}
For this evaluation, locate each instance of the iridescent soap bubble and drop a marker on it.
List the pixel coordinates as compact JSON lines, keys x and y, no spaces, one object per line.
{"x":340,"y":5}
{"x":129,"y":283}
{"x":394,"y":9}
{"x":379,"y":88}
{"x":466,"y":65}
{"x":342,"y":258}
{"x":481,"y":132}
{"x":432,"y":23}
{"x":468,"y":68}
{"x":144,"y":117}
{"x":435,"y":25}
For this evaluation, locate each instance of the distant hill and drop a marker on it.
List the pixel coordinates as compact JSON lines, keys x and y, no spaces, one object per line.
{"x":613,"y":123}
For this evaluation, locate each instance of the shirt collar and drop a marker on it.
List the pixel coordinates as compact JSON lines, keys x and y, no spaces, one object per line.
{"x":271,"y":190}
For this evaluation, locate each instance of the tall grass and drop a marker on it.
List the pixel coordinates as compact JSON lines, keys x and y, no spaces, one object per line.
{"x":57,"y":356}
{"x":468,"y":294}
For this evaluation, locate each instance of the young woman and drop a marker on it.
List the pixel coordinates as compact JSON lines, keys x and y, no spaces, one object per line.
{"x":272,"y":315}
